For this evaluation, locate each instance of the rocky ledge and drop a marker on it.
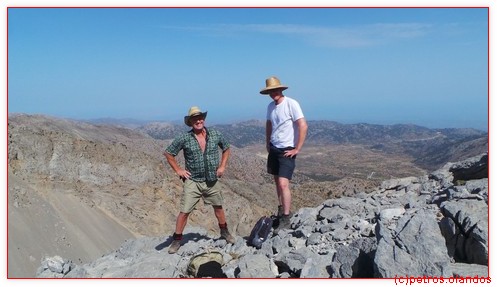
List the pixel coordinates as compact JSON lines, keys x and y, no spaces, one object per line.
{"x":434,"y":225}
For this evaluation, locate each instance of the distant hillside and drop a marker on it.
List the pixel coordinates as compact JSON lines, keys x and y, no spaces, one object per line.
{"x":430,"y":148}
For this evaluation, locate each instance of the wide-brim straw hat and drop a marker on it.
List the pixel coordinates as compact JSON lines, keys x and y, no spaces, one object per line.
{"x":192,"y":112}
{"x":271,"y":84}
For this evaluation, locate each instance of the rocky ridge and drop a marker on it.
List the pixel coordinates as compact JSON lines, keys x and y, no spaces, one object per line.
{"x":433,"y":225}
{"x":79,"y":190}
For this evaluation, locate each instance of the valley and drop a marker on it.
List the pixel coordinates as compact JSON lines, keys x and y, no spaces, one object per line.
{"x":73,"y":182}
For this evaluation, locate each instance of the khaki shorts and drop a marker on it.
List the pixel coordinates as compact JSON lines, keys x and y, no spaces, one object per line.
{"x":209,"y":191}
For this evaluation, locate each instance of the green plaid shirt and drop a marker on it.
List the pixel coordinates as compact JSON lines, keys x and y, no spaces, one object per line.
{"x":202,"y":166}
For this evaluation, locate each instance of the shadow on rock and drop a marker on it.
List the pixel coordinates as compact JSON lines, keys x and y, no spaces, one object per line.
{"x":186,"y":237}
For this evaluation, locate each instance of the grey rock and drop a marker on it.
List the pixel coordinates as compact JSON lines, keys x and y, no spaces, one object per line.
{"x":427,"y":226}
{"x":399,"y":183}
{"x":473,"y":168}
{"x":418,"y":248}
{"x":293,"y":261}
{"x":470,"y":229}
{"x":314,"y":239}
{"x":469,"y":270}
{"x":256,"y":266}
{"x":389,"y":214}
{"x":346,"y":257}
{"x":316,"y":267}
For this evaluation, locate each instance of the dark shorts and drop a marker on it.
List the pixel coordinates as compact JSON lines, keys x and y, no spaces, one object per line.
{"x":278,"y":164}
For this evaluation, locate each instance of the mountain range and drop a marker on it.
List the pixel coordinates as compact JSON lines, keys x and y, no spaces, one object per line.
{"x":430,"y":148}
{"x":79,"y":189}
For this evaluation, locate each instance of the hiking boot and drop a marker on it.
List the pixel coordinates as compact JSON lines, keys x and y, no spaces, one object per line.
{"x":173,"y":248}
{"x":284,"y":223}
{"x":227,"y":236}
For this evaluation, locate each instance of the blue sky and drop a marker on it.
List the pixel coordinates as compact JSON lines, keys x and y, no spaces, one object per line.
{"x":426,"y":66}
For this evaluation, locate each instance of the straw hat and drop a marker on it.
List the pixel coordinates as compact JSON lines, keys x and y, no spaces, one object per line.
{"x":194,"y":111}
{"x":271,"y":84}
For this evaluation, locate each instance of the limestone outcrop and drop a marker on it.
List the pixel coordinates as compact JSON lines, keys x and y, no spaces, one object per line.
{"x":433,"y":225}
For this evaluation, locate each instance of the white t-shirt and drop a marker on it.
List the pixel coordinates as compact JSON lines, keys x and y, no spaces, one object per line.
{"x":283,"y":118}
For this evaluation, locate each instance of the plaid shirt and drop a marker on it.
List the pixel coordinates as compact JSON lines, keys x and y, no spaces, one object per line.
{"x":202,"y":166}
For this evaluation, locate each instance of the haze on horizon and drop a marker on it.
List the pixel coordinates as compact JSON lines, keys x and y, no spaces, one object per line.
{"x":423,"y":66}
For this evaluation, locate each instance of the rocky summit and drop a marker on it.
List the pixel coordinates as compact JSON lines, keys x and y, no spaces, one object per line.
{"x":430,"y":225}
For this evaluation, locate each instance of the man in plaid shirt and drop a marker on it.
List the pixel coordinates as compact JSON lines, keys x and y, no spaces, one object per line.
{"x":202,"y":169}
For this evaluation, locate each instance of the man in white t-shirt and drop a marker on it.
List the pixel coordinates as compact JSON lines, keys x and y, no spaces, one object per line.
{"x":286,"y":129}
